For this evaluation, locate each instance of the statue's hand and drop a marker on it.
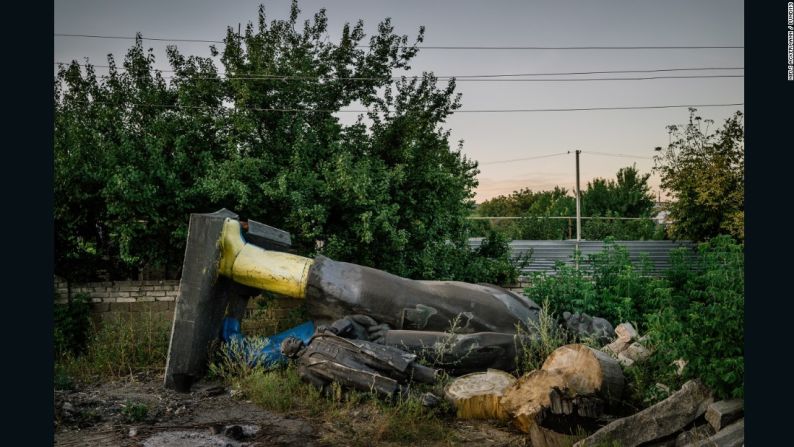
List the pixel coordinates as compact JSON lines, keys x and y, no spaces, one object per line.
{"x":376,"y":333}
{"x":364,"y":320}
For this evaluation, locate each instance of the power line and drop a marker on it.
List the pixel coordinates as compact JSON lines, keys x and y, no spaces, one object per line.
{"x":442,"y":79}
{"x":449,"y":47}
{"x":566,"y":153}
{"x":458,"y":77}
{"x":616,"y":155}
{"x":575,"y":109}
{"x":579,"y":109}
{"x":525,"y":158}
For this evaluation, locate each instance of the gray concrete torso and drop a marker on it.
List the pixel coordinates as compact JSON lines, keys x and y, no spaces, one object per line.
{"x":336,"y":289}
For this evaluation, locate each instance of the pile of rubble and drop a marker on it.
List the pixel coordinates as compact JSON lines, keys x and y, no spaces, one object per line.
{"x":573,"y":398}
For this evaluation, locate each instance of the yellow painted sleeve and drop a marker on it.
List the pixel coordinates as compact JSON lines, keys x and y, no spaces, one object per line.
{"x":273,"y":271}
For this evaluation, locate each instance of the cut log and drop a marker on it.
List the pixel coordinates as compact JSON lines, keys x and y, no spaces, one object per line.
{"x":719,"y":414}
{"x":730,"y":436}
{"x":657,"y":421}
{"x":478,"y":395}
{"x":587,"y":371}
{"x":526,"y":399}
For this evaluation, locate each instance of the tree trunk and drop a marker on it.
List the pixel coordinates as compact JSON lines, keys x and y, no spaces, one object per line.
{"x":587,"y":371}
{"x":562,"y":402}
{"x":477,"y":395}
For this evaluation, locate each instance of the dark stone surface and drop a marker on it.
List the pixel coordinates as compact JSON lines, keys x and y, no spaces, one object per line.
{"x":359,"y":364}
{"x":583,"y":325}
{"x":461,"y":353}
{"x":337,"y":289}
{"x":201,"y":302}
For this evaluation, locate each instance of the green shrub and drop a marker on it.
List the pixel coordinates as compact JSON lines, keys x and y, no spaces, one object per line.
{"x":134,"y":411}
{"x":490,"y":263}
{"x":635,"y":230}
{"x":61,"y":379}
{"x":235,"y":361}
{"x":694,"y":313}
{"x":72,"y":324}
{"x":606,"y":284}
{"x":702,"y":319}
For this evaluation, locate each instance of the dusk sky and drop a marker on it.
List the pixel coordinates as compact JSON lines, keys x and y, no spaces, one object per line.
{"x":493,"y":137}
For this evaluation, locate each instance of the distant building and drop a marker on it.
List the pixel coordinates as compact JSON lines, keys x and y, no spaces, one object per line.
{"x":660,"y":213}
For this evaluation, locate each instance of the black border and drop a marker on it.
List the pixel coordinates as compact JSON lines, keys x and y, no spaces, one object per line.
{"x":28,"y":227}
{"x":768,"y":248}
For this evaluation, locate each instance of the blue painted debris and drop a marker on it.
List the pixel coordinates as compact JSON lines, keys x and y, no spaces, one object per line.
{"x":270,"y":355}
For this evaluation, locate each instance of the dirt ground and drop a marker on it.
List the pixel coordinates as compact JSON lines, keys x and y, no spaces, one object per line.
{"x":209,"y":416}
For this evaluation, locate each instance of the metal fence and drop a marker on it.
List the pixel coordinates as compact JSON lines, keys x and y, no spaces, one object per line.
{"x":544,"y":254}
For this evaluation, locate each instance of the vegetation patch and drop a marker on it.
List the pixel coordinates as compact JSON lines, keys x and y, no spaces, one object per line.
{"x":118,"y":347}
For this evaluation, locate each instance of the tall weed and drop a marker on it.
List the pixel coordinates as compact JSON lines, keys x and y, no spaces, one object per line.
{"x":119,"y":347}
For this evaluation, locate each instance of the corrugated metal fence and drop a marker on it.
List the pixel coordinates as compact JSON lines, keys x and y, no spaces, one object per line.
{"x":544,"y":254}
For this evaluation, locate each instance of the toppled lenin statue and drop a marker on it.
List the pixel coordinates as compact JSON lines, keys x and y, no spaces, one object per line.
{"x":222,"y":269}
{"x":453,"y":352}
{"x":357,"y":364}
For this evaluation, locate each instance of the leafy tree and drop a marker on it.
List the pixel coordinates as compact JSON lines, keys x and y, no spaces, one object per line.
{"x":136,"y":154}
{"x":127,"y":162}
{"x":705,"y":171}
{"x":627,"y":196}
{"x":525,"y":202}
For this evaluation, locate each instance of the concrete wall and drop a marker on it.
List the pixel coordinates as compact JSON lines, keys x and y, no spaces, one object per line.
{"x":114,"y":298}
{"x":130,"y":299}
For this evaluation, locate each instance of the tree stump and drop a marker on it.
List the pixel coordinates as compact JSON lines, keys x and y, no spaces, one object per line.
{"x":562,"y":402}
{"x":526,"y":399}
{"x":477,"y":395}
{"x":587,"y":371}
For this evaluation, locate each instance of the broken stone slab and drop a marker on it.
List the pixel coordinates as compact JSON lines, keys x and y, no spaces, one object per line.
{"x":634,"y":353}
{"x":657,"y":421}
{"x":626,"y":333}
{"x":719,"y":414}
{"x":730,"y":436}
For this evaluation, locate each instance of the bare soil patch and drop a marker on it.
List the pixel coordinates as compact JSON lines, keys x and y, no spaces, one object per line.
{"x":139,"y":411}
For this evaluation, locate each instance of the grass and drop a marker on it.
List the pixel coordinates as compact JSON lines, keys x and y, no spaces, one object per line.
{"x":119,"y":347}
{"x":134,"y":411}
{"x":550,"y":336}
{"x":356,"y":418}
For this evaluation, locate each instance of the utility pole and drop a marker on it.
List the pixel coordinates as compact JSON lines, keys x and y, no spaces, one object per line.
{"x":578,"y":202}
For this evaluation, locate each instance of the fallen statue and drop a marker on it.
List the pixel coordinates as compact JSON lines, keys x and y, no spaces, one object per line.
{"x":222,"y":269}
{"x":357,"y":364}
